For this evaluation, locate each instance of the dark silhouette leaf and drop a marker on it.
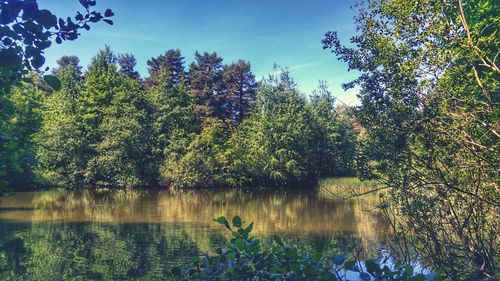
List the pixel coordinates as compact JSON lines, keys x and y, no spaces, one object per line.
{"x":46,"y":18}
{"x":53,"y":82}
{"x":108,"y":13}
{"x":37,"y":61}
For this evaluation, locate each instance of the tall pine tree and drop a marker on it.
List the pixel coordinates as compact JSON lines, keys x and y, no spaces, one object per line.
{"x":240,"y":86}
{"x":205,"y":75}
{"x":170,"y":66}
{"x":127,"y":63}
{"x":66,"y":61}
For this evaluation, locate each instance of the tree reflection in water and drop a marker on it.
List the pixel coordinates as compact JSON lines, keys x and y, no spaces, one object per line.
{"x":141,"y":234}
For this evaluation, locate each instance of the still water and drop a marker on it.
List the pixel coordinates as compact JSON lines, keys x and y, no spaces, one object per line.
{"x":139,"y":234}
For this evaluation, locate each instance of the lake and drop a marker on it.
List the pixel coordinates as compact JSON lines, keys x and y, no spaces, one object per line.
{"x":140,"y":234}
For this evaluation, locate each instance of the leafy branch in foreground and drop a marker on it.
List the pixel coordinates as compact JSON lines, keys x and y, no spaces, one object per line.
{"x":430,"y":108}
{"x":26,"y":31}
{"x":245,"y":258}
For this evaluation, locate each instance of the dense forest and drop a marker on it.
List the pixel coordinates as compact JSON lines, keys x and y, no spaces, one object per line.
{"x":427,"y":128}
{"x":210,"y":125}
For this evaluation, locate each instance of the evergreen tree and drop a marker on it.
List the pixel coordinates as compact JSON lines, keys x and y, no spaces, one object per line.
{"x":66,"y":61}
{"x":335,"y":138}
{"x":122,"y":150}
{"x":170,"y":64}
{"x":240,"y":88}
{"x":173,"y":121}
{"x":24,"y":121}
{"x":202,"y":165}
{"x":127,"y":63}
{"x":61,"y":144}
{"x":95,"y":130}
{"x":114,"y":111}
{"x":205,"y":76}
{"x":274,"y":147}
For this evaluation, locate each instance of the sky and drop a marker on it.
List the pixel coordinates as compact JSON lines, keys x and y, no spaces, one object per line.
{"x":263,"y":32}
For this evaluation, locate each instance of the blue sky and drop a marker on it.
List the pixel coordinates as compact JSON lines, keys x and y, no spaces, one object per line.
{"x":264,"y":32}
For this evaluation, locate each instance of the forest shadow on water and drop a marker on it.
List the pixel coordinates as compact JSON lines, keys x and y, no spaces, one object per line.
{"x":142,"y":234}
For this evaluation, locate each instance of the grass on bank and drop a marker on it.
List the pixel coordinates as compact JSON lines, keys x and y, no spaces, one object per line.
{"x":348,"y":182}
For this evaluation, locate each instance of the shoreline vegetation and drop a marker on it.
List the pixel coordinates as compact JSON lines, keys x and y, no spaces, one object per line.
{"x":211,"y":125}
{"x":346,"y":187}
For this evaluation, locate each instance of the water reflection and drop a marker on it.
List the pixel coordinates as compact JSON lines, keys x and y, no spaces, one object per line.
{"x":140,"y":234}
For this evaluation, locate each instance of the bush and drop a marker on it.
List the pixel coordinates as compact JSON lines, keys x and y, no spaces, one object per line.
{"x":245,"y":258}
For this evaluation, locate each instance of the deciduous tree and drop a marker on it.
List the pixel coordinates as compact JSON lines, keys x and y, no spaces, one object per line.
{"x":429,"y":88}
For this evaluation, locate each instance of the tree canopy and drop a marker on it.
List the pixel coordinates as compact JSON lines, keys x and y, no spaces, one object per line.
{"x":430,"y":107}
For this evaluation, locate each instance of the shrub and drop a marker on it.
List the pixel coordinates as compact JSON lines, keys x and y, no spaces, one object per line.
{"x":245,"y":258}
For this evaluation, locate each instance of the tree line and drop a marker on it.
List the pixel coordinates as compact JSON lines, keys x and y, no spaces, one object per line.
{"x":208,"y":125}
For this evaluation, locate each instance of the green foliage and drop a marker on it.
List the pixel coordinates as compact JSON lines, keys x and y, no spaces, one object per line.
{"x":102,"y":127}
{"x":172,"y":121}
{"x":26,"y":31}
{"x":66,"y":61}
{"x":53,"y":82}
{"x":93,"y":130}
{"x":349,"y":182}
{"x":61,"y":144}
{"x":166,"y":70}
{"x":240,"y":88}
{"x":245,"y":258}
{"x":205,"y":75}
{"x":334,"y":135}
{"x":114,"y":109}
{"x":9,"y":149}
{"x":429,"y":92}
{"x":275,"y":145}
{"x":20,"y":119}
{"x":201,"y":165}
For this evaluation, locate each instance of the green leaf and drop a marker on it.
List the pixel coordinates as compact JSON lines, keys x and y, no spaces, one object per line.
{"x":295,"y":267}
{"x":408,"y":270}
{"x":223,"y":221}
{"x":440,"y":276}
{"x":317,"y":256}
{"x":240,"y":244}
{"x":231,"y":256}
{"x":290,"y":252}
{"x":237,"y":221}
{"x":53,"y":82}
{"x":247,"y":230}
{"x":276,"y":269}
{"x":196,"y":260}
